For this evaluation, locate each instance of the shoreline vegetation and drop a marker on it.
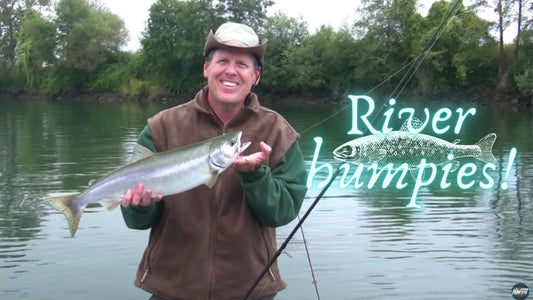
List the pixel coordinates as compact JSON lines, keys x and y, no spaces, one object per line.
{"x":71,"y":50}
{"x":484,"y":99}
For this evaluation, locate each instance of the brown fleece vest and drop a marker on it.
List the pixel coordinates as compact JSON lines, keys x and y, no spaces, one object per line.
{"x":208,"y":244}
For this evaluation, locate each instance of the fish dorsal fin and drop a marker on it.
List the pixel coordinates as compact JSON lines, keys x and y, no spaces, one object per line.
{"x":140,"y":152}
{"x":91,"y":182}
{"x":456,"y":141}
{"x":210,"y":182}
{"x":415,"y":124}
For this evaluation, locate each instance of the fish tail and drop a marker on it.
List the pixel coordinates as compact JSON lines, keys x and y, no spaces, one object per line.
{"x":485,"y":144}
{"x":73,"y":214}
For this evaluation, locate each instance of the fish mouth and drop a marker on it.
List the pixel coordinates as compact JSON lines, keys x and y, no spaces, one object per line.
{"x":244,"y":146}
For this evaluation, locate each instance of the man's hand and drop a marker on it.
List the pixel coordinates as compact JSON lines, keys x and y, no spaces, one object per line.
{"x":137,"y":198}
{"x":253,"y":161}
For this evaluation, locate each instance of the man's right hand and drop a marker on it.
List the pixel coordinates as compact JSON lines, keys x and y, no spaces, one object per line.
{"x":138,"y":198}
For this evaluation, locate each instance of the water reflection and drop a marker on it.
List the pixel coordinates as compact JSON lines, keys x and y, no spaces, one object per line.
{"x":47,"y":147}
{"x":364,"y":243}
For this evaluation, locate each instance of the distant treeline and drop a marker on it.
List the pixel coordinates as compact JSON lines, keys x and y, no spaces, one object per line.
{"x":74,"y":46}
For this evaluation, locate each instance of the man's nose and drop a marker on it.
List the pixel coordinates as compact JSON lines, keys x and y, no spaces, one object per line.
{"x":231,"y":68}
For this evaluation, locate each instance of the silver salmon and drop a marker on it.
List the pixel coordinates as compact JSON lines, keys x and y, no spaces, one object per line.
{"x":169,"y":172}
{"x":398,"y":147}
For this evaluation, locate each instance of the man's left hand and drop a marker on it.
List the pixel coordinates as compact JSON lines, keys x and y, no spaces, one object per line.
{"x":253,"y":161}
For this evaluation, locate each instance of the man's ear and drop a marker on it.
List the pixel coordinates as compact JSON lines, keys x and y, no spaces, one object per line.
{"x":257,"y":77}
{"x":206,"y":64}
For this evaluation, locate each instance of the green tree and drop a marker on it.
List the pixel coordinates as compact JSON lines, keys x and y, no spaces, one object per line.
{"x":282,"y":33}
{"x":173,"y":43}
{"x":387,"y":31}
{"x":505,"y":15}
{"x":322,"y":63}
{"x":35,"y":47}
{"x":250,"y":12}
{"x":524,"y":65}
{"x":459,"y":59}
{"x":88,"y":35}
{"x":11,"y":15}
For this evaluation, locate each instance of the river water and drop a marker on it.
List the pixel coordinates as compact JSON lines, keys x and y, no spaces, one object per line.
{"x":363,"y":243}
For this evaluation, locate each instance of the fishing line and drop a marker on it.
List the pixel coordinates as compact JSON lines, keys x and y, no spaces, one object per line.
{"x":348,"y":105}
{"x":417,"y":61}
{"x":309,"y":261}
{"x":291,"y":234}
{"x":413,"y":67}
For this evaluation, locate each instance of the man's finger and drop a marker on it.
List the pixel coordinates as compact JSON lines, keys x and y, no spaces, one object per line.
{"x":136,"y":199}
{"x":126,"y":199}
{"x":147,"y":197}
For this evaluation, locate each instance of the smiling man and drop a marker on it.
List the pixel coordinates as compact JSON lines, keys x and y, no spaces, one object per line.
{"x":212,"y":243}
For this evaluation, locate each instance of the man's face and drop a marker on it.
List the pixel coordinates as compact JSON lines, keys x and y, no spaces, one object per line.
{"x":230,"y":76}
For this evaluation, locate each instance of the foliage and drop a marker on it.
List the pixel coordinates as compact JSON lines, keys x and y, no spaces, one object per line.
{"x":173,"y":42}
{"x":250,"y":12}
{"x":524,"y":65}
{"x":77,"y":49}
{"x":11,"y":14}
{"x":35,"y":47}
{"x":389,"y":32}
{"x":87,"y":37}
{"x":322,"y":63}
{"x":459,"y":58}
{"x":282,"y":33}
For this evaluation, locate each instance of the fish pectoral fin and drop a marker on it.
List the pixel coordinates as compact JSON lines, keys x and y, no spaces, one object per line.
{"x":455,"y":165}
{"x":375,"y":156}
{"x":210,"y":182}
{"x":109,"y":204}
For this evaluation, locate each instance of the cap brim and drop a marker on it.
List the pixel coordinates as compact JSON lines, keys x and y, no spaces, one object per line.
{"x":212,"y":43}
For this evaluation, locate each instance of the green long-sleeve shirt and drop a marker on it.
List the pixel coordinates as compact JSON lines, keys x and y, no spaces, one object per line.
{"x":274,"y":196}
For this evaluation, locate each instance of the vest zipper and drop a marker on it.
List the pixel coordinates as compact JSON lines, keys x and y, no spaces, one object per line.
{"x":269,"y":272}
{"x":145,"y":274}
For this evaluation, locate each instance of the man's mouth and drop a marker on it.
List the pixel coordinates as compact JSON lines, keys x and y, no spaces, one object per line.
{"x":229,"y":83}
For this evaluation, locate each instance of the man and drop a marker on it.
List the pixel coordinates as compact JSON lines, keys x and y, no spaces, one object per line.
{"x":212,"y":243}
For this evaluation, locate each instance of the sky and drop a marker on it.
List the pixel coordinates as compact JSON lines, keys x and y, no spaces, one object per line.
{"x":315,"y":13}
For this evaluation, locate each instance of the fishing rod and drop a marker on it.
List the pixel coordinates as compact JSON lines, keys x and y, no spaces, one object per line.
{"x":291,"y":234}
{"x":405,"y":79}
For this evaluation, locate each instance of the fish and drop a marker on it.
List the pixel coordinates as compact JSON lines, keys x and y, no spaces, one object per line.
{"x":403,"y":146}
{"x":169,"y":172}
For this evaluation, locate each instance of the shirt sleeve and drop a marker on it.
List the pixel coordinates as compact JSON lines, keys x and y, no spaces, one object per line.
{"x":276,"y":196}
{"x":138,"y":217}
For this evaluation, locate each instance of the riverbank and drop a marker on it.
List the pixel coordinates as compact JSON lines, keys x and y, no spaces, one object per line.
{"x":484,"y":99}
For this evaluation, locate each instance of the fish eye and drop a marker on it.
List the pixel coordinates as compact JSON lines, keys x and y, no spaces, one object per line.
{"x":346,"y":150}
